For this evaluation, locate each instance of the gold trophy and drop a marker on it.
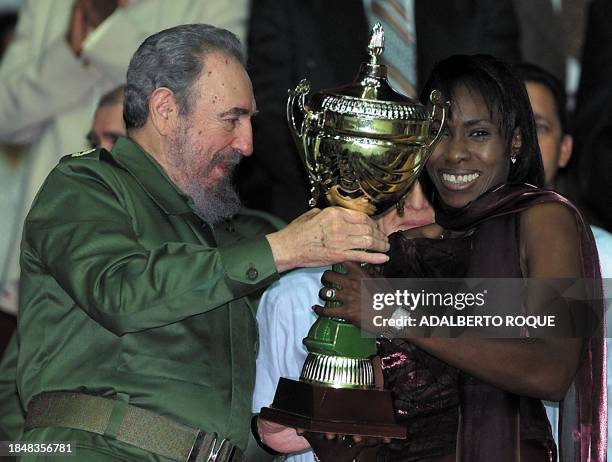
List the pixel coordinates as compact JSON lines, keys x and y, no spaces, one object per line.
{"x":363,"y":146}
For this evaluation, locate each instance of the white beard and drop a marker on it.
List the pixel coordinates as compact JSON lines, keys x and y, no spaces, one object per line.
{"x":213,"y":202}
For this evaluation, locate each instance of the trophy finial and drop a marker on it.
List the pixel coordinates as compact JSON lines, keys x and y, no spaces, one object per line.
{"x":377,"y":43}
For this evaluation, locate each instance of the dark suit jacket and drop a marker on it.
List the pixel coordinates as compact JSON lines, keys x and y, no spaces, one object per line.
{"x":325,"y":41}
{"x":540,"y":31}
{"x":591,"y":166}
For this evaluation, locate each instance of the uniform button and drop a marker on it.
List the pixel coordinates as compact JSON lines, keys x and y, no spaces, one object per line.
{"x":252,"y":273}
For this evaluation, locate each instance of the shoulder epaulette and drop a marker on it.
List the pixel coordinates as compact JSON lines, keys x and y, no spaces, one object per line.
{"x":94,"y":154}
{"x":82,"y":153}
{"x":88,"y":153}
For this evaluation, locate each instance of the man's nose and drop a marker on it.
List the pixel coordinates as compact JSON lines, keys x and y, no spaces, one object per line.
{"x":243,"y":142}
{"x":416,"y":199}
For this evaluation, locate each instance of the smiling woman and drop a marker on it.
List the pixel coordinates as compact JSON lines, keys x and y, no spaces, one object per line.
{"x":490,"y":138}
{"x":479,"y":399}
{"x":470,"y":157}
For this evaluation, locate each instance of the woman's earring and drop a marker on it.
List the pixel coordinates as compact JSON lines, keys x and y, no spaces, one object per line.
{"x":516,"y":146}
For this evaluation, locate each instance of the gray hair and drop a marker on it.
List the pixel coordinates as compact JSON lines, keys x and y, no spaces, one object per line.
{"x":173,"y":58}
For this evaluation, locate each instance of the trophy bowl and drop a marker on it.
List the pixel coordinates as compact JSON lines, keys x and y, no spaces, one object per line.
{"x":363,"y":144}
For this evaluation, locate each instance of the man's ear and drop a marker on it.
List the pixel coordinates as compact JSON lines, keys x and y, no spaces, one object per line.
{"x":517,"y":142}
{"x":163,"y":110}
{"x":567,"y":147}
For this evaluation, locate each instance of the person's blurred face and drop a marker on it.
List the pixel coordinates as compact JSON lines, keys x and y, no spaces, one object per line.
{"x":470,"y":157}
{"x":417,"y":212}
{"x":107,"y":126}
{"x":212,"y":138}
{"x":555,"y":146}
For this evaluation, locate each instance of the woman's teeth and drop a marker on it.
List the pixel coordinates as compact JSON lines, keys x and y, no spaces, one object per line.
{"x":459,"y":179}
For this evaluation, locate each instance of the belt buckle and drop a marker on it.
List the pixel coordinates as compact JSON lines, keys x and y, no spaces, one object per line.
{"x":226,"y":452}
{"x":203,"y":447}
{"x":222,"y":453}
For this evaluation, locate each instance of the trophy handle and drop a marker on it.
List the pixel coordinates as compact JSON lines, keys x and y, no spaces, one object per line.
{"x":298,"y":133}
{"x":298,"y":96}
{"x":435,"y":98}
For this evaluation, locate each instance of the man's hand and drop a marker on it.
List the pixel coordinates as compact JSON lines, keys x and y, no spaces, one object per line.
{"x":86,"y":16}
{"x":323,"y":237}
{"x":78,"y":29}
{"x":280,"y":438}
{"x":97,"y":11}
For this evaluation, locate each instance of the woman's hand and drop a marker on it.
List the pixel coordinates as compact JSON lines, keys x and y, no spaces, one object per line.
{"x":347,"y":289}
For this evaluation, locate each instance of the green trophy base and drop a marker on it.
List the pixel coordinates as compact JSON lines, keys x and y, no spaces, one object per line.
{"x":346,"y":411}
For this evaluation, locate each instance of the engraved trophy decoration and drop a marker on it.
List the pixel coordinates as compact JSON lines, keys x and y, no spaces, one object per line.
{"x":363,"y":146}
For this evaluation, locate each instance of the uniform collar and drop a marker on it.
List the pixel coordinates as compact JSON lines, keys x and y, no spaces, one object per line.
{"x":149,"y":174}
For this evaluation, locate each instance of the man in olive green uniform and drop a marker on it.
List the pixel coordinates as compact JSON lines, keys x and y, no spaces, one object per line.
{"x":137,"y":336}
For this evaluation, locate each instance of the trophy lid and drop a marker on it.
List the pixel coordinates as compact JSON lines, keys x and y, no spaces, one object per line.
{"x":369,"y":97}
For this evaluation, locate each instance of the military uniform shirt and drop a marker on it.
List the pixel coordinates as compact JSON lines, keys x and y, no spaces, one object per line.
{"x":125,"y":289}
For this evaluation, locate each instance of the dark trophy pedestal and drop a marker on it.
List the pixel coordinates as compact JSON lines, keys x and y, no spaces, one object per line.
{"x":343,"y":411}
{"x":346,"y":411}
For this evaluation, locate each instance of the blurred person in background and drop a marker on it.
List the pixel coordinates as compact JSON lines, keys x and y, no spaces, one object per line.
{"x":66,"y":54}
{"x":548,"y":102}
{"x":108,"y":124}
{"x":11,"y":174}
